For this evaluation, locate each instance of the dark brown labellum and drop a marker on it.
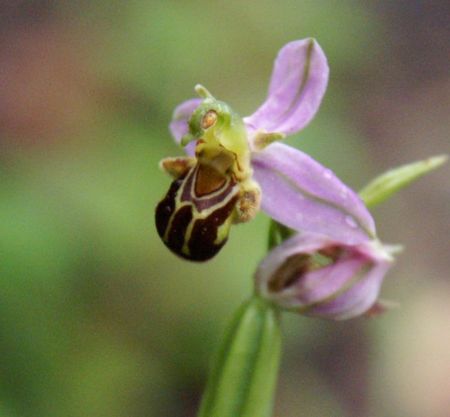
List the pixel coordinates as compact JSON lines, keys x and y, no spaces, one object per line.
{"x":195,"y":216}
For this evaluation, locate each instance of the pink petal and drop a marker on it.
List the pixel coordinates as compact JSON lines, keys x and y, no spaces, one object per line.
{"x":298,"y":83}
{"x":179,"y":125}
{"x":302,"y":194}
{"x":345,"y":288}
{"x":357,"y":299}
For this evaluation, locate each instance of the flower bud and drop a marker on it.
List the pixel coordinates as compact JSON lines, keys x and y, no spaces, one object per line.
{"x":314,"y":275}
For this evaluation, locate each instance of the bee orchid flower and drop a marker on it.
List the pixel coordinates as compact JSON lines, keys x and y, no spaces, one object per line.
{"x":235,"y":166}
{"x":317,"y":276}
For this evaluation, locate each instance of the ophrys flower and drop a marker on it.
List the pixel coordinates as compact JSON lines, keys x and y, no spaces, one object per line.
{"x":317,"y":276}
{"x":234,"y":164}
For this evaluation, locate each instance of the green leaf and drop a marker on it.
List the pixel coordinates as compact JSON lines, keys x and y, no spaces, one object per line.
{"x":243,"y":377}
{"x":392,"y":181}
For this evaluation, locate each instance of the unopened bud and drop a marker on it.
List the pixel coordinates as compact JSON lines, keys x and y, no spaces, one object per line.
{"x":316,"y":276}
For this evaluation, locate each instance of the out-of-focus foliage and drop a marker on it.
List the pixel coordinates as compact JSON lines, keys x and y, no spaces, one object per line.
{"x":97,"y":318}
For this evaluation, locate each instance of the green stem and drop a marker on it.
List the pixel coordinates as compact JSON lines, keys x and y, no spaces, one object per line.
{"x":278,"y":233}
{"x":243,"y":377}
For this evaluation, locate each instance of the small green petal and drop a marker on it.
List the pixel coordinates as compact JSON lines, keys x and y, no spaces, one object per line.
{"x":264,"y":139}
{"x":187,"y":139}
{"x":389,"y":183}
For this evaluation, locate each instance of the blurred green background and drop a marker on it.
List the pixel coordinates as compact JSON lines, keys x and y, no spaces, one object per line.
{"x":97,"y":317}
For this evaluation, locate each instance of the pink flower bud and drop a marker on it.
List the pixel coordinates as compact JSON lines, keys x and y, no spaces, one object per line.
{"x":317,"y":276}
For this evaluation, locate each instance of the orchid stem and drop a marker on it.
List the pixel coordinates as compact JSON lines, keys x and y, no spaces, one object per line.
{"x":278,"y":233}
{"x":243,"y":378}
